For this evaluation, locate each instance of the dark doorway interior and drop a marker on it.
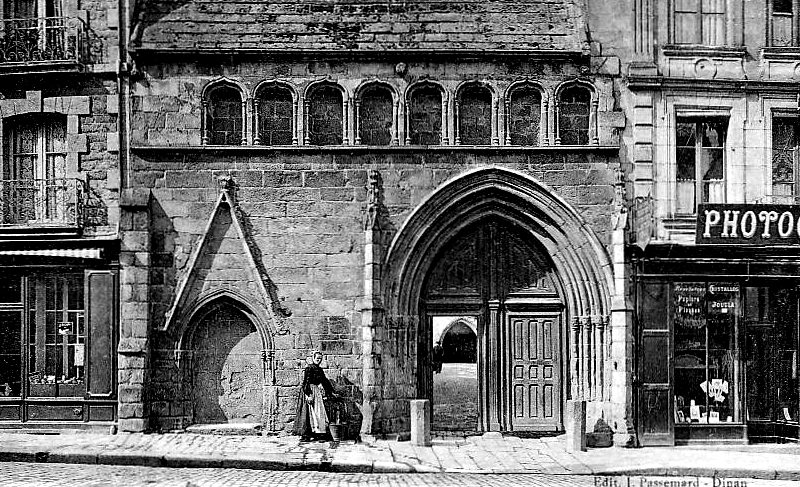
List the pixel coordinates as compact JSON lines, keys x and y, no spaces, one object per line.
{"x":455,"y":380}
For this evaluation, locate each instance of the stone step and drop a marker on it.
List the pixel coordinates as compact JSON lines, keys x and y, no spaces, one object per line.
{"x":242,"y":429}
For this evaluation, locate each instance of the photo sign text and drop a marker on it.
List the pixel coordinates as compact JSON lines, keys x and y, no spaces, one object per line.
{"x":748,"y":224}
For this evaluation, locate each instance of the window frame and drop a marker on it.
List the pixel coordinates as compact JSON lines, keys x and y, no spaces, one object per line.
{"x":310,"y":92}
{"x":591,"y":113}
{"x":208,"y":114}
{"x":410,"y":94}
{"x":45,"y":187}
{"x":794,"y":122}
{"x":700,"y":16}
{"x":459,"y":112}
{"x":542,"y":138}
{"x":698,"y":154}
{"x":358,"y":118}
{"x":794,"y":20}
{"x":258,"y":99}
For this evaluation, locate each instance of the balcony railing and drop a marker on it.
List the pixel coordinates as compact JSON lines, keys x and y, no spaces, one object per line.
{"x":41,"y":202}
{"x":42,"y":40}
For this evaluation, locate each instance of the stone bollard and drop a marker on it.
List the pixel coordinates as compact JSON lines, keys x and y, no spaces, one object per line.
{"x":576,"y":425}
{"x":420,"y":422}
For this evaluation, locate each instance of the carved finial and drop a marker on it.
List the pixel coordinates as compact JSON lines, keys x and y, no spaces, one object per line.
{"x":375,"y":208}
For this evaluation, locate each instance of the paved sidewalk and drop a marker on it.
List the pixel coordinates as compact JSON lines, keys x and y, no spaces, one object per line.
{"x":490,"y":453}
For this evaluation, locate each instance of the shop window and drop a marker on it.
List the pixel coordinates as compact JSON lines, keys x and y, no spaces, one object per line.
{"x":783,"y":22}
{"x":425,"y":116}
{"x":700,"y":158}
{"x":48,"y":338}
{"x":474,"y":107}
{"x":699,"y":22}
{"x":325,"y":116}
{"x":525,"y":112}
{"x":224,"y":120}
{"x":706,"y":320}
{"x":375,"y":116}
{"x":35,"y":190}
{"x":275,"y":116}
{"x":573,"y":116}
{"x":784,"y":159}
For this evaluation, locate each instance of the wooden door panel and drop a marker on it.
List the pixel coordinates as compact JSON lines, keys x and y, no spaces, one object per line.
{"x":535,"y":378}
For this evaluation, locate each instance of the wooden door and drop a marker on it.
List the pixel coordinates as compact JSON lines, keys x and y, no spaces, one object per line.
{"x":656,"y":426}
{"x":534,"y":380}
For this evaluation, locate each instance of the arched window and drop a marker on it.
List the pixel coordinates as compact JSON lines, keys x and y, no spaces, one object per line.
{"x":524,"y":114}
{"x":34,"y":186}
{"x":325,"y":116}
{"x":425,"y":116}
{"x":224,"y":116}
{"x":375,"y":116}
{"x":474,"y":107}
{"x":573,"y":116}
{"x":274,"y":116}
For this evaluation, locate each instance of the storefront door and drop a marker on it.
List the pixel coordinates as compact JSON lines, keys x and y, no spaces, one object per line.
{"x":771,"y":363}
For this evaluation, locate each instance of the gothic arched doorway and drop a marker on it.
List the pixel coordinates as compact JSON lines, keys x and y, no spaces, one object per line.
{"x":492,"y":272}
{"x":227,"y":365}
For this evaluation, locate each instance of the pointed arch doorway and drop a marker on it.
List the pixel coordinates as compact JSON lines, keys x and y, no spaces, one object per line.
{"x":493,"y":272}
{"x":226,"y":364}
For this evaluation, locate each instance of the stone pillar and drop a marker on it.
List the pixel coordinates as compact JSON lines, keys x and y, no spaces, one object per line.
{"x":576,"y":425}
{"x":133,"y":350}
{"x":372,"y":312}
{"x":420,"y":422}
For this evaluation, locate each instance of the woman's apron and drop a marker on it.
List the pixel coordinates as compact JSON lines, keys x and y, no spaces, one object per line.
{"x":316,"y":411}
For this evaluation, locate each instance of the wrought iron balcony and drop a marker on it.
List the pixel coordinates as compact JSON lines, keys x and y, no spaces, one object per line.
{"x":48,"y":40}
{"x":37,"y":203}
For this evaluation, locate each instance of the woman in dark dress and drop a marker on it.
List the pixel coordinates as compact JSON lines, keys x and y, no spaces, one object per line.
{"x":312,"y":420}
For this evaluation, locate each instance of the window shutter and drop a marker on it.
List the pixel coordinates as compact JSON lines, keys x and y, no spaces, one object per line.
{"x":101,"y":317}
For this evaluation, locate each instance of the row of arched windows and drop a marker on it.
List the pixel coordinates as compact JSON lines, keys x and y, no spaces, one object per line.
{"x":376,"y":113}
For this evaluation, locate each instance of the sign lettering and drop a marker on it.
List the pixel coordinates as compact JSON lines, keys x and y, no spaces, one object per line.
{"x":748,"y":224}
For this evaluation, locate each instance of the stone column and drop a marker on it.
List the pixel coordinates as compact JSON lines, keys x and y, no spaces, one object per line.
{"x":134,"y":349}
{"x":372,"y":312}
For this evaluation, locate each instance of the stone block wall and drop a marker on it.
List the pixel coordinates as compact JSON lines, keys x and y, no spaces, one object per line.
{"x":304,"y":212}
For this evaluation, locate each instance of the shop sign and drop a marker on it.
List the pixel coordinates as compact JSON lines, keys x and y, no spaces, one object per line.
{"x":748,"y":224}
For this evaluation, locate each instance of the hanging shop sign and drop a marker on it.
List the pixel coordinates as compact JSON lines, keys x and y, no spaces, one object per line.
{"x":748,"y":224}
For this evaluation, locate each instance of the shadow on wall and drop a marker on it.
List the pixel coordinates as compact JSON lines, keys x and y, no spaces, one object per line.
{"x":349,"y":406}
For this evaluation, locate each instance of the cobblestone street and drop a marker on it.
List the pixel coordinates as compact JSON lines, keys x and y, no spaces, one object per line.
{"x":27,"y":474}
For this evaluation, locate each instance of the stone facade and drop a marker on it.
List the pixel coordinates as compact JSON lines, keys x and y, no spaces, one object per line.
{"x":307,"y":239}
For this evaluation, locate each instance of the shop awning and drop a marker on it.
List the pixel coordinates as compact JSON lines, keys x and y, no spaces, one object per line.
{"x":84,"y":253}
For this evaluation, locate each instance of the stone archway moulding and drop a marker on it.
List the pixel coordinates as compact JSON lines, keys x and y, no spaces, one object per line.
{"x":582,"y":265}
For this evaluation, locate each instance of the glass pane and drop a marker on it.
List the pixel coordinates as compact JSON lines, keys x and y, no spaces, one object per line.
{"x":10,"y":353}
{"x":782,"y":6}
{"x":525,"y":115}
{"x":706,"y":353}
{"x":225,"y":117}
{"x":276,"y":110}
{"x":11,"y":288}
{"x":425,"y":116}
{"x":325,"y":116}
{"x":721,"y":386}
{"x":686,"y":29}
{"x":376,"y":112}
{"x":654,"y":304}
{"x":63,"y":352}
{"x":475,"y":116}
{"x":784,"y":150}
